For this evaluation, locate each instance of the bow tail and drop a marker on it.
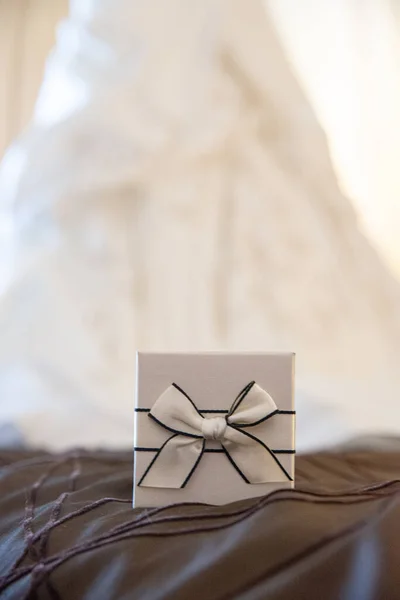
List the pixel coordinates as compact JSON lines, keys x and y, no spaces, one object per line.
{"x":254,"y":461}
{"x":174,"y":463}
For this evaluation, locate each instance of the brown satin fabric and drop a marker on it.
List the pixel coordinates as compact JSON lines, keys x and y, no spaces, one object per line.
{"x":67,"y":530}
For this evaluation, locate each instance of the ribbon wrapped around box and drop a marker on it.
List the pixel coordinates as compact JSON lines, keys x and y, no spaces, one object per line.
{"x":194,"y":443}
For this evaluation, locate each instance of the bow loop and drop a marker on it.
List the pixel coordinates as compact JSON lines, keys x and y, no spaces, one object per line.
{"x":252,"y":406}
{"x":175,"y":411}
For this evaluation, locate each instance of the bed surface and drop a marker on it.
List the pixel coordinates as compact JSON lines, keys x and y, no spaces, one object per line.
{"x":67,"y":530}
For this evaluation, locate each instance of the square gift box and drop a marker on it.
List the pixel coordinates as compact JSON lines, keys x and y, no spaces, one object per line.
{"x":213,"y":427}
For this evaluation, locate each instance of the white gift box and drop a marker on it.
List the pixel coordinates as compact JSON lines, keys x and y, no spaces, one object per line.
{"x":213,"y":427}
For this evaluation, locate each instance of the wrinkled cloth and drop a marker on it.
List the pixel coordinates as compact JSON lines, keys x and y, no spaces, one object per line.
{"x":67,"y":530}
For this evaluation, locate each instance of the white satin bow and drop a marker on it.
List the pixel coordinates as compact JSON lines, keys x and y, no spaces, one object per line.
{"x":178,"y":457}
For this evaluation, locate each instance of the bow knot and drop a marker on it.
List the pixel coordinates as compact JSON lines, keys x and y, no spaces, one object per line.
{"x":214,"y":428}
{"x":177,"y":459}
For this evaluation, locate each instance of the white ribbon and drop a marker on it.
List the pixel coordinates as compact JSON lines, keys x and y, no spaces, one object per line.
{"x":177,"y":459}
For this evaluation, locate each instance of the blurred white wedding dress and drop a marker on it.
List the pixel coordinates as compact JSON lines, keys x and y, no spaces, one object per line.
{"x":175,"y":192}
